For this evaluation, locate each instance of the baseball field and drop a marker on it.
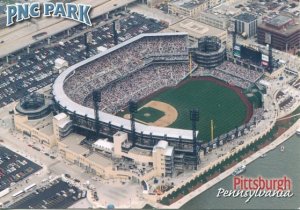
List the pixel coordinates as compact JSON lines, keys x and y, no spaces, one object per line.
{"x":227,"y":106}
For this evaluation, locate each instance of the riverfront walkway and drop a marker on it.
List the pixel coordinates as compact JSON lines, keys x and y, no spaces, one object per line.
{"x":285,"y":136}
{"x":285,"y":118}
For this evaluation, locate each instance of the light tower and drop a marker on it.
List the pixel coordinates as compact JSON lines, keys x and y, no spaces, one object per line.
{"x":270,"y":58}
{"x":268,"y":41}
{"x":194,"y":117}
{"x":116,"y":27}
{"x":191,"y":63}
{"x":234,"y":37}
{"x":88,"y":37}
{"x":96,"y":101}
{"x":132,"y":106}
{"x":211,"y":130}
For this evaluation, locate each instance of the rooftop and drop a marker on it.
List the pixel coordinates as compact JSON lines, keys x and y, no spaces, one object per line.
{"x":169,"y":151}
{"x":72,"y":142}
{"x":60,"y":116}
{"x":100,"y":160}
{"x":273,"y":26}
{"x":245,"y":17}
{"x":188,"y":4}
{"x":63,"y":123}
{"x":279,"y":20}
{"x":195,"y":28}
{"x":103,"y":144}
{"x":162,"y":144}
{"x":139,"y":151}
{"x":225,"y":10}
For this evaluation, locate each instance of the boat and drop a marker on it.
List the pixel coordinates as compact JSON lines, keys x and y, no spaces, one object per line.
{"x":239,"y":170}
{"x":263,"y":155}
{"x":282,"y":148}
{"x":298,"y":132}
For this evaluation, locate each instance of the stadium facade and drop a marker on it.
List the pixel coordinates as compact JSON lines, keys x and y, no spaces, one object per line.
{"x":83,"y":117}
{"x":210,"y":52}
{"x":35,"y":106}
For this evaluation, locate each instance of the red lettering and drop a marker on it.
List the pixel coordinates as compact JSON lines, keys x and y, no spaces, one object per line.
{"x":236,"y":182}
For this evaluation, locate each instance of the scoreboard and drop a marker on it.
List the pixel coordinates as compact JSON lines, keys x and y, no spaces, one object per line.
{"x":237,"y":51}
{"x":251,"y":54}
{"x":264,"y":60}
{"x":255,"y":56}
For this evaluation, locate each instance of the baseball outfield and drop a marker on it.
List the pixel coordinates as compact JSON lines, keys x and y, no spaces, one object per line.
{"x":227,"y":106}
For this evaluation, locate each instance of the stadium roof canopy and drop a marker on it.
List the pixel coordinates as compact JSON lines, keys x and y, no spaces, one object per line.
{"x":61,"y":97}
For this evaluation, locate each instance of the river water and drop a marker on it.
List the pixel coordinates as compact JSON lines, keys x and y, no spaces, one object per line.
{"x":275,"y":165}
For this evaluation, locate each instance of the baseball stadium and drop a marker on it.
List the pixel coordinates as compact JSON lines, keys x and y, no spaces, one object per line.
{"x":156,"y":72}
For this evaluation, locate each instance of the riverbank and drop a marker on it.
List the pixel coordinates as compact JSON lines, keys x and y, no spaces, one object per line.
{"x":283,"y":137}
{"x":275,"y":164}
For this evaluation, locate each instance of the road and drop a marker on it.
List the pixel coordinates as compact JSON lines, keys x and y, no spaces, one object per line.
{"x":109,"y":191}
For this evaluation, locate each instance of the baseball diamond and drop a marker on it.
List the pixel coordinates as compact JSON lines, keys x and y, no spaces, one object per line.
{"x":149,"y":114}
{"x":155,"y":113}
{"x":207,"y":94}
{"x":139,"y":69}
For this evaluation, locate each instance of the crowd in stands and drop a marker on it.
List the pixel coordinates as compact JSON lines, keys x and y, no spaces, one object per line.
{"x":258,"y":114}
{"x":124,"y":61}
{"x":240,"y":71}
{"x":232,"y":80}
{"x":231,"y":73}
{"x":142,"y":67}
{"x":138,"y":85}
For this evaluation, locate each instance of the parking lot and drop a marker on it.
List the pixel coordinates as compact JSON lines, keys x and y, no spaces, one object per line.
{"x":34,"y":70}
{"x":56,"y":194}
{"x":14,"y":168}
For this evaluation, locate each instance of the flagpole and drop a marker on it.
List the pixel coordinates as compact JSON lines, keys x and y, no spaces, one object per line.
{"x":190,"y":57}
{"x":212,"y":129}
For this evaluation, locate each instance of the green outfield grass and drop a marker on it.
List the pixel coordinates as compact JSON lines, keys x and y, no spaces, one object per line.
{"x":149,"y":114}
{"x":215,"y":102}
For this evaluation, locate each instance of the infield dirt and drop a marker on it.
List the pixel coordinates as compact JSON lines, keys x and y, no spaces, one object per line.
{"x":169,"y":111}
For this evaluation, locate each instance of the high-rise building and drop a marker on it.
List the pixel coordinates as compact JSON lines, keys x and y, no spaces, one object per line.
{"x":282,"y":32}
{"x":246,"y":24}
{"x":217,"y":21}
